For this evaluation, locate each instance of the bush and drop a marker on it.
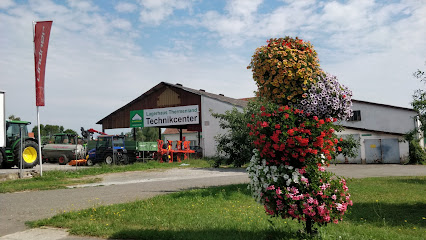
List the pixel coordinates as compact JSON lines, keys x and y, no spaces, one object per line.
{"x":416,"y":153}
{"x":236,"y":146}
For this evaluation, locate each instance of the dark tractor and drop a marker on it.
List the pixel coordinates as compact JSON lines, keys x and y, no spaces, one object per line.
{"x":109,"y":150}
{"x":10,"y":155}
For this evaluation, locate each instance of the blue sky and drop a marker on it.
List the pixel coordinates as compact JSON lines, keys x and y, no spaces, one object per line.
{"x":103,"y":54}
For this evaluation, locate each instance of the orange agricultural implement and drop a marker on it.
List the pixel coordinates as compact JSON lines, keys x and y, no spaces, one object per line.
{"x":79,"y":162}
{"x":169,"y":152}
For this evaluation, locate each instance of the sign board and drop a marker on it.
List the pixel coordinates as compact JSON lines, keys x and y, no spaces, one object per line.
{"x":136,"y":118}
{"x":158,"y":117}
{"x":171,"y":116}
{"x":2,"y":121}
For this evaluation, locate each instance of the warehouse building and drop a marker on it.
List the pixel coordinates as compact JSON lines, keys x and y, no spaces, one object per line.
{"x":380,"y":130}
{"x":173,"y":106}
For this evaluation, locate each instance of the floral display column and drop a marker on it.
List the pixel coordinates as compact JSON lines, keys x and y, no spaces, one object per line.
{"x":294,"y":134}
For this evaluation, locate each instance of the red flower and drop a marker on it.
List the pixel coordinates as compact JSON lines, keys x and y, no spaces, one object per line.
{"x":264,"y":124}
{"x":277,"y":126}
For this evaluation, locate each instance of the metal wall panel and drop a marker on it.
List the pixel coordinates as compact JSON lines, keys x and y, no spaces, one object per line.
{"x":390,"y":151}
{"x":373,"y":151}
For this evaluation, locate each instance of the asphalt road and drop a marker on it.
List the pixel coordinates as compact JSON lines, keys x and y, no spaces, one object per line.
{"x":17,"y":208}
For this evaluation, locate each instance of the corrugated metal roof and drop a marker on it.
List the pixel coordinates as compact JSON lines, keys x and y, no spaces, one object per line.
{"x":233,"y":101}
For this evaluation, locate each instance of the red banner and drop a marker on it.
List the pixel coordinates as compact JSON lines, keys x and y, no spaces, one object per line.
{"x":41,"y":42}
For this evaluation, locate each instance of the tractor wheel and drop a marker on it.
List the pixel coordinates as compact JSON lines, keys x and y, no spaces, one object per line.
{"x":62,"y":160}
{"x":29,"y":154}
{"x":7,"y":165}
{"x":89,"y":162}
{"x":125,"y":159}
{"x":4,"y":163}
{"x":109,"y":159}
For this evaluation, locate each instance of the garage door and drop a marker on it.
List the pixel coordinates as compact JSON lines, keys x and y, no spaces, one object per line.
{"x":382,"y":151}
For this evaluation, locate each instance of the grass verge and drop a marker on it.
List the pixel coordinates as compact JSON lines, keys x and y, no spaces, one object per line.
{"x":384,"y":208}
{"x":60,"y":179}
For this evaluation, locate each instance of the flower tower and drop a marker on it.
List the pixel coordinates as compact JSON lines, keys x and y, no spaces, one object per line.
{"x":294,"y":134}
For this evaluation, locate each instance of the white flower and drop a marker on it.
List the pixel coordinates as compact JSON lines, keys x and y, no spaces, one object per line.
{"x":288,"y":182}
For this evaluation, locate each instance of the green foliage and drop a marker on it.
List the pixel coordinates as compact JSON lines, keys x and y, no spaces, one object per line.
{"x":146,"y":134}
{"x":349,"y":146}
{"x":12,"y":117}
{"x":236,"y":146}
{"x":416,"y":153}
{"x":419,"y":99}
{"x":47,"y":131}
{"x":70,"y":131}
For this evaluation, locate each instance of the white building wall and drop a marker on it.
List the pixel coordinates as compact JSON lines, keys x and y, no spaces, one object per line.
{"x":210,"y":125}
{"x":383,"y":118}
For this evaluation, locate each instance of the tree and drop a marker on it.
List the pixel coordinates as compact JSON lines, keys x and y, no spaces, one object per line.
{"x":146,"y":134}
{"x":235,"y":146}
{"x":349,"y":146}
{"x":70,"y":131}
{"x":12,"y":117}
{"x":416,"y":153}
{"x":47,"y":131}
{"x":419,"y":99}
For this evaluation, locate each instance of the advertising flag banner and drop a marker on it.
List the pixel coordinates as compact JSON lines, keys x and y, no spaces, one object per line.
{"x":41,"y":42}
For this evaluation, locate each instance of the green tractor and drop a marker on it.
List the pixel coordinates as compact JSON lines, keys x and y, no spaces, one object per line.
{"x":10,"y":154}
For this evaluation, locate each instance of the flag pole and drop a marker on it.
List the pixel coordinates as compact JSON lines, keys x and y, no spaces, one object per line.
{"x":40,"y":160}
{"x":39,"y":142}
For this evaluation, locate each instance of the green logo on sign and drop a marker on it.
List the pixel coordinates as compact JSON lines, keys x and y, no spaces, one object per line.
{"x":136,"y":118}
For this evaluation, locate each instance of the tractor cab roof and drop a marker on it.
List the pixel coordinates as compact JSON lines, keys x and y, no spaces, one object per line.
{"x":17,"y":122}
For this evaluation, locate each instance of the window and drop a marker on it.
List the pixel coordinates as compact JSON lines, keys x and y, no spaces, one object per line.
{"x":356,"y":116}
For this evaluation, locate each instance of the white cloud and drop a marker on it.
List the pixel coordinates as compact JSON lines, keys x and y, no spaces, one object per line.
{"x":156,"y":11}
{"x":243,"y":8}
{"x":6,"y":4}
{"x":122,"y":24}
{"x":82,"y":5}
{"x":125,"y":7}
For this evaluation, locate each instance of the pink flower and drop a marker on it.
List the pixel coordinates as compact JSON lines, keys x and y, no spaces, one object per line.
{"x":272,"y":187}
{"x":327,"y":218}
{"x":334,"y":197}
